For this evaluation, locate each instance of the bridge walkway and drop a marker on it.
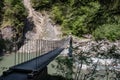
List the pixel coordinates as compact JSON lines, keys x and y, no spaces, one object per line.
{"x":33,"y":67}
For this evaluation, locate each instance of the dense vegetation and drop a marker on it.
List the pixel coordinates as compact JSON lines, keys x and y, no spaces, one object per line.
{"x":12,"y":14}
{"x":101,"y":18}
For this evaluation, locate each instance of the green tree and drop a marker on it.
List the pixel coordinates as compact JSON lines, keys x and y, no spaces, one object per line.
{"x":81,"y":16}
{"x":108,"y":31}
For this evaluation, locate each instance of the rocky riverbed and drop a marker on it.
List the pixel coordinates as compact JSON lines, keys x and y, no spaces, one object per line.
{"x":92,"y":48}
{"x":101,"y":53}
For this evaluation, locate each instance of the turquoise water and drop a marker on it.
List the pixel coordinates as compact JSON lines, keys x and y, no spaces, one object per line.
{"x":9,"y":61}
{"x":6,"y":62}
{"x":56,"y":67}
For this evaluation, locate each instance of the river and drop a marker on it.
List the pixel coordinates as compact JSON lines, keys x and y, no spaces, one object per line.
{"x":59,"y":66}
{"x":6,"y":62}
{"x":9,"y":60}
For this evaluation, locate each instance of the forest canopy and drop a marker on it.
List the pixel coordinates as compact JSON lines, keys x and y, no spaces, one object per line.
{"x":13,"y":14}
{"x":12,"y":17}
{"x":81,"y":17}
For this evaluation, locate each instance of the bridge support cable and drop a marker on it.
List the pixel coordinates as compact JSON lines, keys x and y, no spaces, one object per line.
{"x":23,"y":54}
{"x":45,"y":46}
{"x":22,"y":57}
{"x":17,"y":58}
{"x":36,"y":53}
{"x":42,"y":46}
{"x":15,"y":53}
{"x":39,"y":48}
{"x":27,"y":52}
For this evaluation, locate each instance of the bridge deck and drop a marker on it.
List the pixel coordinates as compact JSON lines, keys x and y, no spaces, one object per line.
{"x":15,"y":76}
{"x":21,"y":71}
{"x":37,"y":63}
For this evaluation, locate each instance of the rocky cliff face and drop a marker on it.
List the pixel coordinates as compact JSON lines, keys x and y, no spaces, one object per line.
{"x":103,"y":48}
{"x":43,"y":25}
{"x":38,"y":26}
{"x":6,"y":39}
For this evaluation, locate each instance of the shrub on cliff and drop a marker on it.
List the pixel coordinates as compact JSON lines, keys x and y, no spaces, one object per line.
{"x":108,"y":31}
{"x":14,"y":15}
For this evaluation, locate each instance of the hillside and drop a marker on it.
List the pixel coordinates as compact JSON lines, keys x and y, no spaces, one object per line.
{"x":100,"y":18}
{"x":20,"y":22}
{"x":22,"y":19}
{"x":12,"y":22}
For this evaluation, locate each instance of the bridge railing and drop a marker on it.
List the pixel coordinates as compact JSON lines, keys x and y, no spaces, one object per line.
{"x":34,"y":66}
{"x":35,"y":48}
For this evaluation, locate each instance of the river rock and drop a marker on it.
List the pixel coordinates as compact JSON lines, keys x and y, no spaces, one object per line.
{"x":101,"y":47}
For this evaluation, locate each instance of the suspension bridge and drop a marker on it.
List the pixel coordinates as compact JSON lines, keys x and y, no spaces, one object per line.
{"x":30,"y":62}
